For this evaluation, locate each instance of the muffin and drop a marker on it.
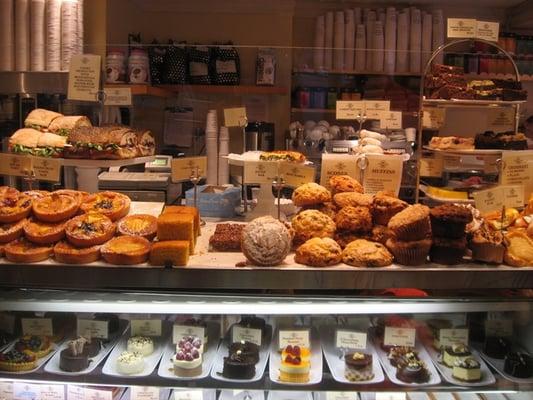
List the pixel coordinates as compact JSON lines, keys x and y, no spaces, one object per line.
{"x":409,"y":253}
{"x":329,"y":208}
{"x":308,"y":224}
{"x":447,"y":251}
{"x":411,"y":223}
{"x":344,"y":183}
{"x":364,"y":253}
{"x":310,"y":194}
{"x":355,"y":219}
{"x":344,"y":238}
{"x":384,"y":207}
{"x":319,"y":252}
{"x":265,"y":241}
{"x":352,"y":199}
{"x":378,"y":234}
{"x":487,"y":245}
{"x":449,"y":221}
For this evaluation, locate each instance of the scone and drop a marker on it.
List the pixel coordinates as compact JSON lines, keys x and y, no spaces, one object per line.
{"x":344,"y":183}
{"x":378,"y":234}
{"x":319,"y":252}
{"x":266,"y":241}
{"x":412,"y":223}
{"x":310,"y":194}
{"x":364,"y":253}
{"x":352,"y":199}
{"x":312,"y":223}
{"x":355,"y":219}
{"x":384,"y":207}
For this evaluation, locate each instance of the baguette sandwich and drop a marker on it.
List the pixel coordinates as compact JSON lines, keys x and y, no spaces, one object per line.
{"x":40,"y":119}
{"x":64,"y":125}
{"x":145,"y":143}
{"x":107,"y":143}
{"x":33,"y":142}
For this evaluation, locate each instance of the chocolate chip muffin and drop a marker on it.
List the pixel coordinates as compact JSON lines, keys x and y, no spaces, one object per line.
{"x":411,"y":223}
{"x":310,"y":194}
{"x":319,"y":252}
{"x":308,"y":224}
{"x":352,"y":199}
{"x":355,"y":219}
{"x":364,"y":253}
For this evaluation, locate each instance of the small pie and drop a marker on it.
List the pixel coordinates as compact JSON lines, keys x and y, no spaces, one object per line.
{"x":17,"y":361}
{"x":144,"y":225}
{"x":14,"y":206}
{"x":37,"y":194}
{"x":126,"y":250}
{"x":39,"y":346}
{"x":111,"y":204}
{"x":55,"y":207}
{"x":12,"y":231}
{"x":76,"y":193}
{"x":66,"y":253}
{"x":44,"y":232}
{"x":24,"y":251}
{"x":89,"y":230}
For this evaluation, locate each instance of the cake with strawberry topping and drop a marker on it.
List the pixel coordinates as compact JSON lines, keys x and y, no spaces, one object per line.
{"x":188,"y":359}
{"x":295,"y":365}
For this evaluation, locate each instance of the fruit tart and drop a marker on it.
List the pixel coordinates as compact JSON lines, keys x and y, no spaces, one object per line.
{"x":66,"y":253}
{"x":17,"y":361}
{"x":12,"y":231}
{"x":38,"y":346}
{"x":24,"y":251}
{"x":126,"y":250}
{"x":55,"y":207}
{"x":14,"y":206}
{"x":111,"y":204}
{"x":144,"y":225}
{"x":37,"y":194}
{"x":81,"y":195}
{"x":89,"y":230}
{"x":44,"y":232}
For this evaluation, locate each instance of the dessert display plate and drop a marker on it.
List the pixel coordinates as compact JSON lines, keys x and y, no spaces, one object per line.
{"x":164,"y":394}
{"x":53,"y":366}
{"x":186,"y":394}
{"x":40,"y":362}
{"x":487,"y":378}
{"x":335,"y":359}
{"x":240,"y":394}
{"x":390,"y":370}
{"x":498,"y":366}
{"x":264,"y":353}
{"x":466,"y":152}
{"x":409,"y":396}
{"x":315,"y":374}
{"x":282,"y":395}
{"x":166,"y":367}
{"x":150,"y":362}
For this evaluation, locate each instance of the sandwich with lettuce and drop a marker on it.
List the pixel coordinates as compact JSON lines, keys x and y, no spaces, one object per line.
{"x":29,"y":141}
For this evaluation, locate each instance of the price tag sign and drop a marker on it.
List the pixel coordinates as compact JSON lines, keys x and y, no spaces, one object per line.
{"x":260,"y":171}
{"x":337,"y":164}
{"x":235,"y":117}
{"x":117,"y":96}
{"x":383,"y":173}
{"x":95,"y":394}
{"x":501,"y":119}
{"x":96,"y":329}
{"x":349,"y":110}
{"x":184,"y":168}
{"x":26,"y":391}
{"x":84,"y":77}
{"x":7,"y":322}
{"x":431,"y":166}
{"x":513,"y":195}
{"x":75,"y":392}
{"x":499,"y":327}
{"x":37,"y":326}
{"x":179,"y":331}
{"x":14,"y":165}
{"x":391,"y":396}
{"x":188,"y":395}
{"x":341,"y":396}
{"x":350,"y":340}
{"x":52,"y":392}
{"x":296,"y":175}
{"x":144,"y":393}
{"x":374,"y":108}
{"x":399,"y":336}
{"x":462,"y":28}
{"x":390,"y":119}
{"x":242,"y":334}
{"x":487,"y":30}
{"x":433,"y":118}
{"x":449,"y":337}
{"x":517,"y":169}
{"x":46,"y":169}
{"x":294,"y":338}
{"x":6,"y":390}
{"x":145,"y":327}
{"x":489,"y":200}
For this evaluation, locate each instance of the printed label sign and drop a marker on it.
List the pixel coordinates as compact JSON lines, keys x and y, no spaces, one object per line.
{"x":52,"y":392}
{"x":26,"y":391}
{"x":449,"y":337}
{"x":337,"y":164}
{"x":188,"y":395}
{"x":350,"y":340}
{"x":6,"y":390}
{"x":95,"y":394}
{"x":294,"y":338}
{"x":296,"y":175}
{"x":489,"y":200}
{"x":179,"y":331}
{"x":96,"y":329}
{"x":433,"y":118}
{"x":75,"y":392}
{"x":499,"y":327}
{"x":501,"y":119}
{"x":84,"y":77}
{"x":462,"y":28}
{"x":383,"y":173}
{"x":374,"y":108}
{"x":260,"y":171}
{"x":37,"y":326}
{"x":488,"y":30}
{"x":399,"y":336}
{"x":390,"y":119}
{"x":349,"y":110}
{"x":46,"y":169}
{"x":184,"y":168}
{"x":145,"y":327}
{"x":341,"y":396}
{"x":117,"y":96}
{"x":242,"y":334}
{"x":431,"y":166}
{"x":517,"y":169}
{"x":235,"y":117}
{"x":14,"y":165}
{"x":513,"y":195}
{"x":144,"y":393}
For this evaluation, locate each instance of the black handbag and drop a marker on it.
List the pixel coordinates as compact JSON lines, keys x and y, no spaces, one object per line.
{"x":200,"y":65}
{"x":156,"y":55}
{"x":175,"y":65}
{"x":226,"y":65}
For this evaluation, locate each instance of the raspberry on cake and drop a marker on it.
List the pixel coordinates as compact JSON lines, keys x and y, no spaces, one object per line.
{"x":188,"y":359}
{"x":295,"y":365}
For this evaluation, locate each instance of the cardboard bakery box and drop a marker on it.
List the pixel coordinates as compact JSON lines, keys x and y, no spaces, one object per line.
{"x":215,"y":201}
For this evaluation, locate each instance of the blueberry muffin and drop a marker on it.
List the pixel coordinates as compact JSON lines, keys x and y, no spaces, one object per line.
{"x":319,"y":252}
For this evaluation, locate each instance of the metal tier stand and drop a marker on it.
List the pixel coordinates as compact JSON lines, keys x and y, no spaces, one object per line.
{"x":459,"y":103}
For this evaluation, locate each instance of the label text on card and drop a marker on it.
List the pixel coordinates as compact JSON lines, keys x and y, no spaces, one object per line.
{"x":188,"y":395}
{"x":433,"y":118}
{"x":37,"y":326}
{"x":75,"y":392}
{"x":180,"y":331}
{"x":117,"y":96}
{"x":26,"y":391}
{"x":84,"y":77}
{"x":350,"y":340}
{"x":373,"y":108}
{"x":52,"y":392}
{"x":390,"y":119}
{"x":487,"y":30}
{"x":517,"y":169}
{"x":46,"y":169}
{"x":449,"y":337}
{"x":243,"y":334}
{"x":349,"y":110}
{"x":489,"y":200}
{"x":432,"y":166}
{"x":144,"y":393}
{"x":399,"y":336}
{"x":184,"y":168}
{"x":499,"y":327}
{"x":14,"y":165}
{"x":337,"y":164}
{"x":145,"y":327}
{"x":95,"y":394}
{"x":341,"y":395}
{"x":260,"y":171}
{"x":383,"y":173}
{"x":235,"y":117}
{"x":462,"y":28}
{"x":294,"y":338}
{"x":296,"y":175}
{"x":96,"y":329}
{"x":6,"y":390}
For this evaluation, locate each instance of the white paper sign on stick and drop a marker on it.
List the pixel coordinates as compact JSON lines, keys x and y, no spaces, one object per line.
{"x":298,"y":337}
{"x":462,"y":28}
{"x":399,"y":336}
{"x":144,"y":393}
{"x":353,"y":340}
{"x":84,"y":77}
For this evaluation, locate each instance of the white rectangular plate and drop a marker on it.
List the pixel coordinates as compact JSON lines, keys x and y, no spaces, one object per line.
{"x":434,"y":378}
{"x":498,"y":366}
{"x":264,"y":353}
{"x":40,"y":362}
{"x":290,"y":395}
{"x":336,"y":363}
{"x":315,"y":375}
{"x":164,"y":394}
{"x":486,"y":376}
{"x":166,"y":367}
{"x":241,"y":395}
{"x":53,"y":366}
{"x":207,"y":394}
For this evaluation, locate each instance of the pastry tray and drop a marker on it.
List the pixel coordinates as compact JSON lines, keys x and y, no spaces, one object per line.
{"x":487,"y":378}
{"x":434,"y":378}
{"x":166,"y":367}
{"x":498,"y":366}
{"x":53,"y":365}
{"x":315,"y":374}
{"x":336,"y":362}
{"x":264,"y":353}
{"x":40,"y":361}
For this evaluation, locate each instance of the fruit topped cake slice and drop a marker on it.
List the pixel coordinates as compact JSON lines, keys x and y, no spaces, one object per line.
{"x":295,"y":365}
{"x":38,"y":346}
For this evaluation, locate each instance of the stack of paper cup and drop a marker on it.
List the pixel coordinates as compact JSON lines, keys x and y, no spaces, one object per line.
{"x":427,"y":26}
{"x":7,"y":35}
{"x":22,"y":35}
{"x":211,"y":147}
{"x":37,"y":33}
{"x":320,"y":37}
{"x":69,"y":32}
{"x":53,"y":35}
{"x":415,"y":40}
{"x":390,"y":40}
{"x":80,"y":27}
{"x":379,"y":40}
{"x":360,"y":46}
{"x":402,"y":43}
{"x":438,"y":34}
{"x":328,"y":51}
{"x":370,"y":21}
{"x":338,"y":41}
{"x":349,"y":39}
{"x":223,"y":151}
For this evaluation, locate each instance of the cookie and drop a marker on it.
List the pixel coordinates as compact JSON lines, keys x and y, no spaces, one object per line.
{"x":384,"y":207}
{"x":344,"y":183}
{"x":266,"y":241}
{"x":319,"y":252}
{"x":352,"y":199}
{"x":364,"y":253}
{"x":312,"y":223}
{"x":310,"y":194}
{"x":355,"y":219}
{"x":411,"y":224}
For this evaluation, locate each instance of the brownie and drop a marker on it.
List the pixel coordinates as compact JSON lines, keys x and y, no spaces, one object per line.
{"x":496,"y":347}
{"x":449,"y":221}
{"x":227,"y":237}
{"x":447,"y":251}
{"x":500,"y":140}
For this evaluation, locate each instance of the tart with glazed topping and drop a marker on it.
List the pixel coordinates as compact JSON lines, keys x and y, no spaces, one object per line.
{"x":66,"y":253}
{"x":55,"y":207}
{"x":14,"y":205}
{"x":24,"y":251}
{"x":17,"y":361}
{"x":126,"y":250}
{"x":89,"y":230}
{"x":12,"y":231}
{"x":143,"y":225}
{"x":44,"y":232}
{"x":111,"y":204}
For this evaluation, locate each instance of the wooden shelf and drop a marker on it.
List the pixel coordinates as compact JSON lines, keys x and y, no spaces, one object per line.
{"x":343,"y":72}
{"x":143,"y":90}
{"x":523,"y":78}
{"x":313,"y":110}
{"x":226,"y":89}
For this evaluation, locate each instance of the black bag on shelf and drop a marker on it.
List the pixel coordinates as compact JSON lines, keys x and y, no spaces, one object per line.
{"x":175,"y":65}
{"x":226,"y":65}
{"x":156,"y":55}
{"x":200,"y":65}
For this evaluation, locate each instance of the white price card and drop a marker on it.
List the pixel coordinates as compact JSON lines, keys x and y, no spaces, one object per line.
{"x":432,"y":166}
{"x":399,"y":336}
{"x":499,"y":327}
{"x":517,"y":169}
{"x":180,"y":331}
{"x":243,"y":334}
{"x":341,"y":395}
{"x":46,"y":169}
{"x":260,"y":171}
{"x":52,"y":392}
{"x":15,"y":165}
{"x":337,"y":164}
{"x":37,"y":326}
{"x":374,"y":108}
{"x":449,"y":337}
{"x":391,"y":396}
{"x":185,"y":168}
{"x":96,"y":329}
{"x":146,"y":327}
{"x":26,"y":391}
{"x":462,"y":28}
{"x":235,"y":117}
{"x":7,"y":322}
{"x":84,"y":77}
{"x":383,"y":173}
{"x":298,"y":337}
{"x":144,"y":393}
{"x":349,"y":110}
{"x":117,"y":96}
{"x":488,"y":200}
{"x":6,"y":390}
{"x":95,"y":394}
{"x":501,"y":119}
{"x":487,"y":30}
{"x":350,"y":339}
{"x":433,"y":118}
{"x":390,"y":119}
{"x":75,"y":392}
{"x":296,"y":175}
{"x":188,"y":395}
